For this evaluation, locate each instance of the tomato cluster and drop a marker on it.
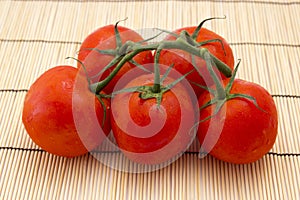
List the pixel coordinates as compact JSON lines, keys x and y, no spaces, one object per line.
{"x":155,"y":98}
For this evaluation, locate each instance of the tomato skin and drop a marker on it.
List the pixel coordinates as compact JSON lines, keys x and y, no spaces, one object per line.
{"x":148,"y":134}
{"x":50,"y":106}
{"x":104,"y":38}
{"x":246,"y":132}
{"x":183,"y":61}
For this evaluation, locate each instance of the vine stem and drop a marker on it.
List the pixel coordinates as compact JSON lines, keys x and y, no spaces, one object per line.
{"x":221,"y":94}
{"x":180,"y":43}
{"x":156,"y":87}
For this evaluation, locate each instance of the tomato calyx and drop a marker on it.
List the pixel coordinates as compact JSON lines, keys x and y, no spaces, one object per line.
{"x":222,"y":94}
{"x":148,"y":91}
{"x":120,"y":49}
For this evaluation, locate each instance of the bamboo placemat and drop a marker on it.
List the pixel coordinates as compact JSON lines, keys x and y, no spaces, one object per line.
{"x":37,"y":35}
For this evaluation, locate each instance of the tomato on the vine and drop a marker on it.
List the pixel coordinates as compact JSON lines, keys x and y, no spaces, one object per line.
{"x":149,"y":127}
{"x":245,"y":127}
{"x":62,"y":116}
{"x":101,"y":46}
{"x":183,"y":61}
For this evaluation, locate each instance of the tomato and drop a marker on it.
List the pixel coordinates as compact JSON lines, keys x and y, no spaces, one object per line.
{"x":242,"y":131}
{"x":62,"y":116}
{"x":149,"y":132}
{"x":182,"y":60}
{"x":104,"y":38}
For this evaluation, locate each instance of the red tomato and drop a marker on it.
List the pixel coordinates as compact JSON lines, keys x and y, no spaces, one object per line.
{"x":183,"y":61}
{"x":150,"y":134}
{"x":62,"y":116}
{"x":105,"y":38}
{"x":240,"y":132}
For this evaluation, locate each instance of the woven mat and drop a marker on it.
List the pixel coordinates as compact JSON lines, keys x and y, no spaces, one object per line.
{"x":37,"y":35}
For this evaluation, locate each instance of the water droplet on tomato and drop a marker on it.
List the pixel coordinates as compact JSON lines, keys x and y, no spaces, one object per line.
{"x":67,"y":84}
{"x":51,"y":139}
{"x":29,"y":118}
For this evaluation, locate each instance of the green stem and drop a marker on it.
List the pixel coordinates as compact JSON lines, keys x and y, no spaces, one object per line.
{"x":179,"y":43}
{"x":197,"y":30}
{"x":97,"y":87}
{"x":156,"y":86}
{"x":183,"y":45}
{"x":117,"y":33}
{"x":222,"y":67}
{"x":221,"y":93}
